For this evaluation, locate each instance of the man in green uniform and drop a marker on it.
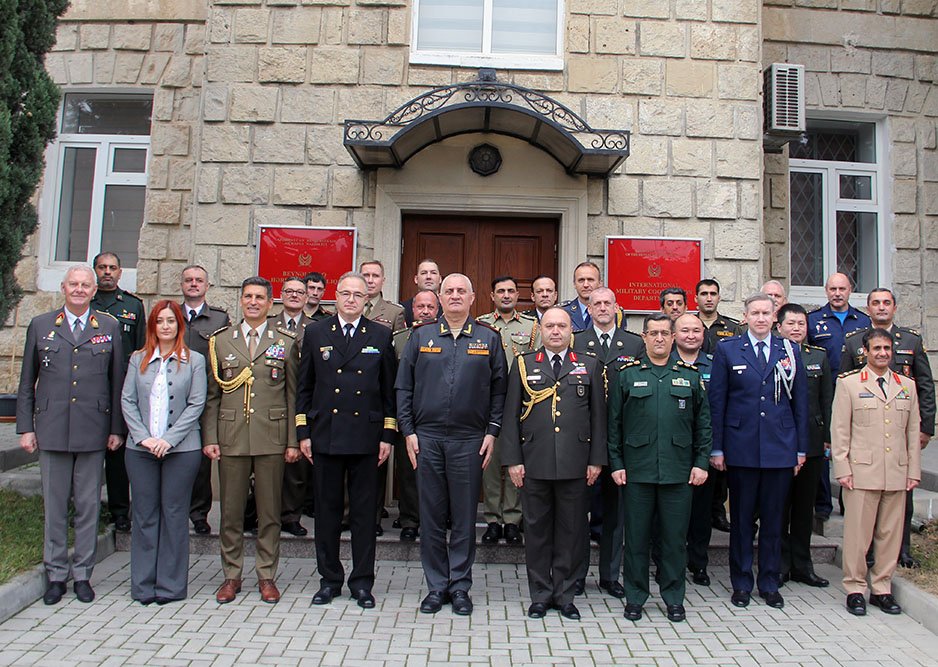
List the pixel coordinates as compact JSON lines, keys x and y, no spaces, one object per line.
{"x":659,"y":443}
{"x":315,"y":289}
{"x":129,"y":312}
{"x":501,"y":500}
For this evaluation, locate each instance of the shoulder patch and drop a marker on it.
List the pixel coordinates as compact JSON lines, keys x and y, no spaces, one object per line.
{"x":489,"y":326}
{"x":848,"y":373}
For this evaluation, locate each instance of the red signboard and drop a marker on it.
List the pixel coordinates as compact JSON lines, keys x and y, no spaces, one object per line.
{"x":637,"y":269}
{"x":284,"y":252}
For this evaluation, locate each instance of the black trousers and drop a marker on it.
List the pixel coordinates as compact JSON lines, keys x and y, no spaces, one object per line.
{"x":554,"y":515}
{"x":201,"y":503}
{"x":118,"y":484}
{"x":332,"y":474}
{"x":700,"y":527}
{"x":296,"y":480}
{"x":720,"y":492}
{"x":798,"y":519}
{"x":407,"y":501}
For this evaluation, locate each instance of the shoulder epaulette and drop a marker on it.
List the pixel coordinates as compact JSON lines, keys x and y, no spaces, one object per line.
{"x":846,"y":373}
{"x":816,"y":347}
{"x":399,"y":331}
{"x":417,"y":325}
{"x":286,"y":332}
{"x":488,"y":326}
{"x":854,"y":332}
{"x":567,"y":303}
{"x":629,"y":364}
{"x":218,"y":331}
{"x":218,"y":310}
{"x":588,"y":353}
{"x":131,"y":294}
{"x":104,"y":312}
{"x":709,"y":356}
{"x":525,"y":316}
{"x":486,"y":315}
{"x":814,"y":310}
{"x":683,"y":364}
{"x":910,"y":330}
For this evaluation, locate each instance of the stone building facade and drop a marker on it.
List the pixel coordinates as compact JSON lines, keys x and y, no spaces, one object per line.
{"x":249,"y":99}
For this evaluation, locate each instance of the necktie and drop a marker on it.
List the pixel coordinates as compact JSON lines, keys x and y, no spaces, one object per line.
{"x":368,"y":306}
{"x":291,"y":324}
{"x":587,"y":320}
{"x":882,"y":385}
{"x":760,"y":354}
{"x":252,"y":342}
{"x":76,"y":329}
{"x":348,"y":332}
{"x":556,"y":364}
{"x":605,"y":342}
{"x":192,"y":314}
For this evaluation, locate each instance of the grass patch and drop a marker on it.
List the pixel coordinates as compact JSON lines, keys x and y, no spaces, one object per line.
{"x":20,"y":533}
{"x":925,"y":549}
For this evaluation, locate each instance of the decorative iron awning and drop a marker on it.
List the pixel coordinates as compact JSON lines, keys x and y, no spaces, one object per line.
{"x":486,"y":105}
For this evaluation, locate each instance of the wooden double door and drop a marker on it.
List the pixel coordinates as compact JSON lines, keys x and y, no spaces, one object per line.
{"x":483,"y":248}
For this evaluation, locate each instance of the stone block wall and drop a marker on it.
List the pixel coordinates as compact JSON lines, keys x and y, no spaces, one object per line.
{"x":876,"y":58}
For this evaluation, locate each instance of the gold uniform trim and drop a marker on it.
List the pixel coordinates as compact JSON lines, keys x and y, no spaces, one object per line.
{"x":301,"y":420}
{"x":390,"y":423}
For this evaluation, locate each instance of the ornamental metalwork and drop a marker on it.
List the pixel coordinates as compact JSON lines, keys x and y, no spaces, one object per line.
{"x":486,"y":105}
{"x":485,"y":159}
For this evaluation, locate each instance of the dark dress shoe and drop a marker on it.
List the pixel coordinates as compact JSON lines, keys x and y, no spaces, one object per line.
{"x":227,"y":591}
{"x":408,"y":534}
{"x":396,"y":523}
{"x":295,"y":528}
{"x":512,"y":534}
{"x":310,"y":512}
{"x":163,"y":601}
{"x":633,"y":612}
{"x":434,"y":602}
{"x":146,"y":602}
{"x":579,"y":587}
{"x":537,"y":610}
{"x":492,"y":534}
{"x":122,"y":524}
{"x":54,"y":592}
{"x":740,"y":598}
{"x":269,"y":592}
{"x":570,"y":611}
{"x":201,"y":527}
{"x":595,"y":536}
{"x":886,"y":602}
{"x":721,"y":524}
{"x":365,"y":599}
{"x":462,"y":603}
{"x":906,"y":560}
{"x":856,"y":605}
{"x":614,"y":588}
{"x":250,"y":527}
{"x":83,"y":591}
{"x":810,"y":579}
{"x":773,"y":599}
{"x":676,"y":613}
{"x":700,"y":577}
{"x":384,"y":513}
{"x":379,"y":529}
{"x":326,"y":594}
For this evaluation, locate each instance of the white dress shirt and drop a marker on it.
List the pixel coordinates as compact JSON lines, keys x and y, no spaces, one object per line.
{"x":159,"y":396}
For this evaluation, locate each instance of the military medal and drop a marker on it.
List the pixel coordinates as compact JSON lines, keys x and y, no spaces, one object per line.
{"x":45,"y":362}
{"x":274,"y":373}
{"x":326,"y":352}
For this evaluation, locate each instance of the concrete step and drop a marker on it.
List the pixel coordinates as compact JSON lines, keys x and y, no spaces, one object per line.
{"x":390,"y":548}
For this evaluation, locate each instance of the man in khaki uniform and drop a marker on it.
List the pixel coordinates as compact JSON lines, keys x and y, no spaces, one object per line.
{"x":501,"y":499}
{"x":875,"y":448}
{"x":377,"y":309}
{"x":248,"y":427}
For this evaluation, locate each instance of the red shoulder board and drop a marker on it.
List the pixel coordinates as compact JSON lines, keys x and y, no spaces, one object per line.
{"x":863,"y":376}
{"x":539,"y":357}
{"x":572,"y":355}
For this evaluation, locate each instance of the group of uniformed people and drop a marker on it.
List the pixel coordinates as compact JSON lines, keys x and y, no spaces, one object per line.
{"x":575,"y":427}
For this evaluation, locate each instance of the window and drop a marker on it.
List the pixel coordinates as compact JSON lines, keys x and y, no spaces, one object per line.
{"x":836,"y":183}
{"x":97,"y":176}
{"x":489,"y":33}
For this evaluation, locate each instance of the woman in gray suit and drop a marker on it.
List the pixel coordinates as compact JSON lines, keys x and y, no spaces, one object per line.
{"x":163,"y":397}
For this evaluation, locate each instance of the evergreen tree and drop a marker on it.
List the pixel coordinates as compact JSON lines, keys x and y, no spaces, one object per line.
{"x":28,"y":104}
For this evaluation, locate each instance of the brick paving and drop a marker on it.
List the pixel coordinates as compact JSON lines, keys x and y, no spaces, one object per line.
{"x":813,"y":629}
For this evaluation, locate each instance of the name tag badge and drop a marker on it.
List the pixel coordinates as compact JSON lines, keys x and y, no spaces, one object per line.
{"x":739,"y":369}
{"x":430,"y":350}
{"x":865,"y":394}
{"x":640,"y":383}
{"x":814,"y":367}
{"x":533,"y":378}
{"x":680,"y":382}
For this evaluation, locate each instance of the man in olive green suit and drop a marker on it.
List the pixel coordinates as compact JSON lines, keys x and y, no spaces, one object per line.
{"x":248,"y":426}
{"x":659,"y":442}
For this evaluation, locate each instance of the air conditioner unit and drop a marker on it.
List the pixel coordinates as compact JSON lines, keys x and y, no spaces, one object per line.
{"x":784,"y":105}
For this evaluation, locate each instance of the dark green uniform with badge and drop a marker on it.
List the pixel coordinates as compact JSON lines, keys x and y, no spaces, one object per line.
{"x":909,"y":358}
{"x":659,"y":428}
{"x":128,"y":310}
{"x":722,"y":327}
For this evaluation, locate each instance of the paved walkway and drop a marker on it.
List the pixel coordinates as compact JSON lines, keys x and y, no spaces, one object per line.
{"x":813,"y":629}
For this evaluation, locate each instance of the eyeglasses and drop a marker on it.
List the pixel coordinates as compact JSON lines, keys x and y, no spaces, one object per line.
{"x":658,"y":334}
{"x":293,"y":292}
{"x":358,"y":296}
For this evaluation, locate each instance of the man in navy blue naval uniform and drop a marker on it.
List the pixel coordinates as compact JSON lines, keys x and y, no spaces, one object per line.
{"x":586,"y":278}
{"x":828,"y":326}
{"x":759,"y":404}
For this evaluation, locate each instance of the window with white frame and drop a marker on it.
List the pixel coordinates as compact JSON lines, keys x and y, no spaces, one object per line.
{"x":836,"y":200}
{"x":99,"y":166}
{"x":489,"y":33}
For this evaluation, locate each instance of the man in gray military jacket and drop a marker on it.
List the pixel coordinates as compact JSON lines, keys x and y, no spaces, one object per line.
{"x":69,"y":407}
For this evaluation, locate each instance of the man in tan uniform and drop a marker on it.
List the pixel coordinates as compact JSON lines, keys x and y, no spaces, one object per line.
{"x":248,"y":426}
{"x":875,"y":448}
{"x":501,"y":499}
{"x":378,"y":310}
